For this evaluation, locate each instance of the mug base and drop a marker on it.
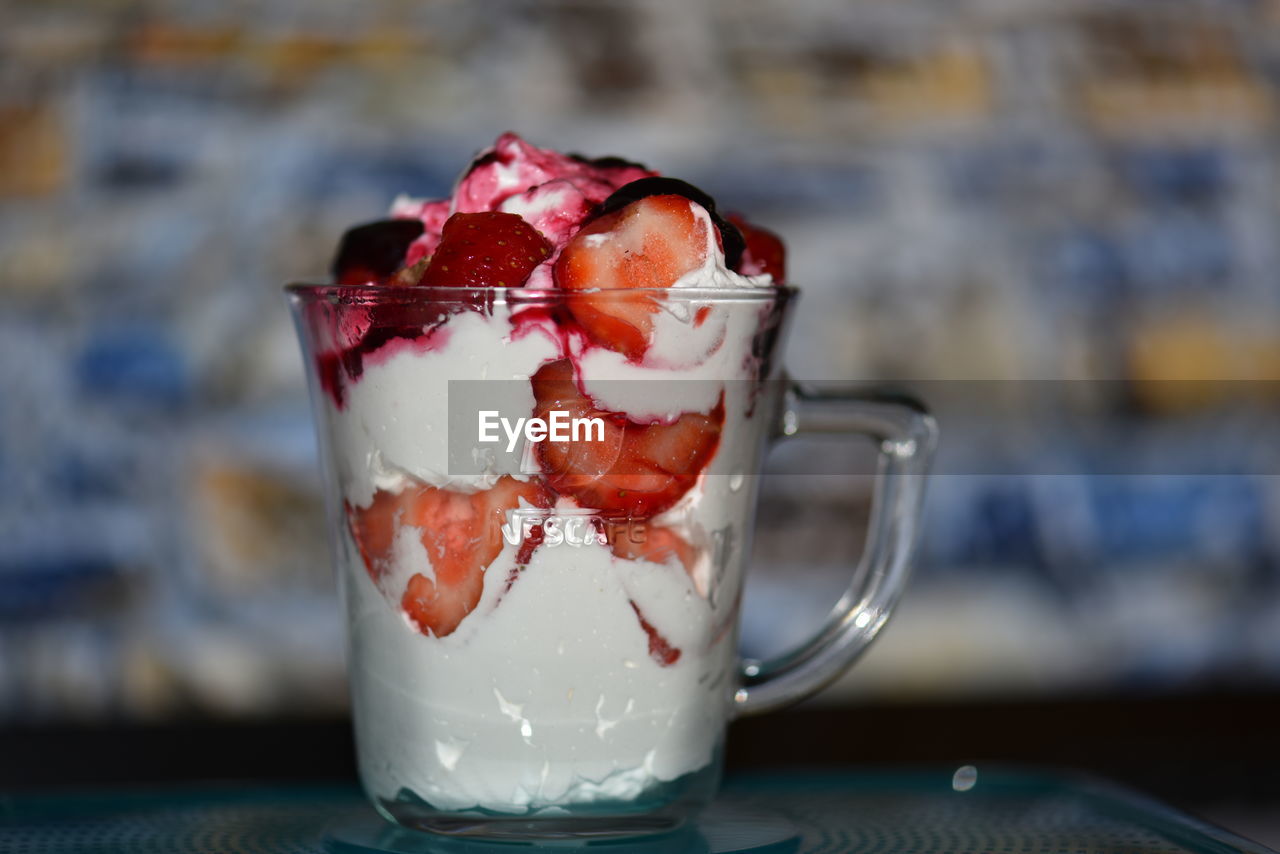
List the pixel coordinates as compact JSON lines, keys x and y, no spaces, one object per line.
{"x":550,"y":828}
{"x":720,"y":829}
{"x":662,"y":808}
{"x":592,"y":824}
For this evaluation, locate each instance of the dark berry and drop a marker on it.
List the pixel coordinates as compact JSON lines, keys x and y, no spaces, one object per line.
{"x":370,"y":253}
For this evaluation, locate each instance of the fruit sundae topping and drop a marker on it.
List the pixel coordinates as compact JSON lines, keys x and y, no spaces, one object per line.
{"x":613,"y":237}
{"x":557,"y":194}
{"x":513,"y":166}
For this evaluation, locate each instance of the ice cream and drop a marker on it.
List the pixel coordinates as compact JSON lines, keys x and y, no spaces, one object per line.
{"x":551,"y":630}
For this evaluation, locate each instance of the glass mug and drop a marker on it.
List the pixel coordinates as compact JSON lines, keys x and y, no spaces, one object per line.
{"x":542,"y":621}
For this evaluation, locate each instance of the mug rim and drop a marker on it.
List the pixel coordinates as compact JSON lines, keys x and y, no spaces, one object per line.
{"x":374,"y":294}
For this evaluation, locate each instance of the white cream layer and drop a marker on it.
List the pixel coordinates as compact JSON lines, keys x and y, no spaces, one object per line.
{"x":545,"y":698}
{"x":396,"y":419}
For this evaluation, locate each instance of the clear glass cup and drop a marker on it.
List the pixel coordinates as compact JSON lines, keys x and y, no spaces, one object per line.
{"x":542,"y":628}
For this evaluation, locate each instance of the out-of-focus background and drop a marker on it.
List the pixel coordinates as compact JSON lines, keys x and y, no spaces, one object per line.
{"x":1079,"y":199}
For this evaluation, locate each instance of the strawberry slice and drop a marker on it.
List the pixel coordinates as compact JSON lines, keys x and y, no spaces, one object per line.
{"x":660,"y":649}
{"x":374,"y":528}
{"x":764,"y":252}
{"x":462,"y":535}
{"x":654,"y":543}
{"x":638,"y":470}
{"x":488,"y":249}
{"x":650,"y":243}
{"x":728,"y":238}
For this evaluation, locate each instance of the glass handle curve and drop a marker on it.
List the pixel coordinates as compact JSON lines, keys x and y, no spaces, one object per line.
{"x":906,"y":435}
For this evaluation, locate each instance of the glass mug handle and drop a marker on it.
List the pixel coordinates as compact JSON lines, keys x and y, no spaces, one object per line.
{"x":906,"y":436}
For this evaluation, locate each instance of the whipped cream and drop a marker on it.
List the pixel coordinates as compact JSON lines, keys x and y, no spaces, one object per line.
{"x":546,"y":694}
{"x":396,"y":421}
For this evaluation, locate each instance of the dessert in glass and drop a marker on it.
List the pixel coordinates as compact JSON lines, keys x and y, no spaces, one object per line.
{"x":543,"y":619}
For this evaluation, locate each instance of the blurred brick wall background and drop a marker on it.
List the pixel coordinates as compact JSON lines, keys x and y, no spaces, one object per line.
{"x":1002,"y":191}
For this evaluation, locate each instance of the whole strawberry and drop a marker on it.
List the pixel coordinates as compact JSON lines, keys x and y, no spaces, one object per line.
{"x":486,"y":249}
